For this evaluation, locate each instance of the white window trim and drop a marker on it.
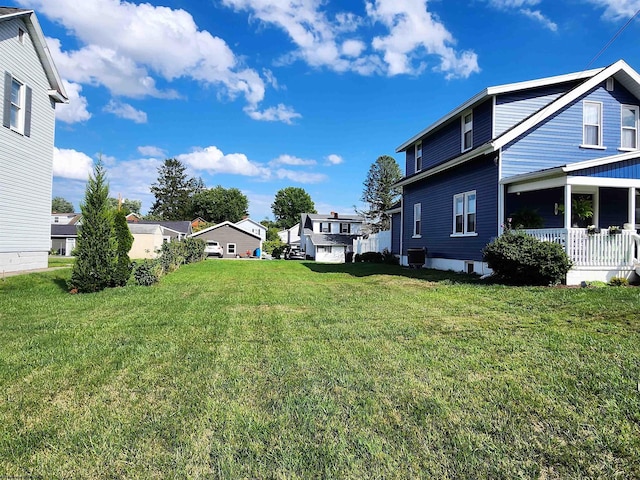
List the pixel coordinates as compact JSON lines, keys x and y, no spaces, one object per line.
{"x":20,"y":127}
{"x":416,"y":169}
{"x":465,"y":232}
{"x":599,"y":145}
{"x":465,"y":130}
{"x":622,"y":128}
{"x":231,"y":249}
{"x":417,"y":217}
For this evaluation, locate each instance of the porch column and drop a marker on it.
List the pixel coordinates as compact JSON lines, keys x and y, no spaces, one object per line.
{"x":567,"y":206}
{"x":632,"y":207}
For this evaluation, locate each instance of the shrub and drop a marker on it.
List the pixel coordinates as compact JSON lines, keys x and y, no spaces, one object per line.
{"x":518,"y":258}
{"x":147,"y":272}
{"x":389,"y":258}
{"x":124,"y":240}
{"x":279,"y":251}
{"x":618,"y":282}
{"x":270,"y":246}
{"x":194,"y":250}
{"x":172,"y":255}
{"x":370,"y":257}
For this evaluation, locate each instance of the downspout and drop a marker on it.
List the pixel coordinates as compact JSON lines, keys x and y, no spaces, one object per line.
{"x":401,"y":223}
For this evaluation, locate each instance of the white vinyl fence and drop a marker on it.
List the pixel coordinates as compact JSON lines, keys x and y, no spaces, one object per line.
{"x":376,"y":242}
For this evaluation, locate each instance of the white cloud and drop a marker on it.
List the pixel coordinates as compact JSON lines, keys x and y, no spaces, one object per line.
{"x":76,"y":110}
{"x":617,"y":9}
{"x":522,"y":7}
{"x":125,"y":44}
{"x":320,"y":41}
{"x":213,"y":160}
{"x":291,"y":160}
{"x":539,"y":17}
{"x":299,"y":177}
{"x":412,"y":28}
{"x":334,"y":159}
{"x":124,"y":110}
{"x":281,"y":113}
{"x":151,"y":151}
{"x":71,"y":164}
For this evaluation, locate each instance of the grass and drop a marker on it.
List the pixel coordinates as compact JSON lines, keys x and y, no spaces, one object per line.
{"x":232,"y":369}
{"x":55,"y":261}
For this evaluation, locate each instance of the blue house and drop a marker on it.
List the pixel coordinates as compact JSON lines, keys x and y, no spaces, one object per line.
{"x":541,"y":149}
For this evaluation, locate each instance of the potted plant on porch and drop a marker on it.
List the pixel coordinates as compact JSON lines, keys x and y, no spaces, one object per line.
{"x":614,"y":230}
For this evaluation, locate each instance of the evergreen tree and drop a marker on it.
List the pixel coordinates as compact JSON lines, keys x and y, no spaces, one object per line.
{"x":289,"y":203}
{"x":173,"y":191}
{"x":124,"y":240}
{"x":96,"y":248}
{"x":380,"y":193}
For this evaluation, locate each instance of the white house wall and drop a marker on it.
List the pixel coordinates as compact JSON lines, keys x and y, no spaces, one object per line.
{"x":26,"y":163}
{"x":337,"y":255}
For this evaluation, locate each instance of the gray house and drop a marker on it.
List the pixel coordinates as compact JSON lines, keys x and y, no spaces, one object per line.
{"x":235,"y":241}
{"x":30,"y":91}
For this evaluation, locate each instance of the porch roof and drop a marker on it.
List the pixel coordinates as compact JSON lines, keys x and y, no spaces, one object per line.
{"x":588,"y":172}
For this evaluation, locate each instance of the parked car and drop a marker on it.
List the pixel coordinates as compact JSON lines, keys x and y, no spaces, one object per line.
{"x":213,"y":248}
{"x":295,"y":254}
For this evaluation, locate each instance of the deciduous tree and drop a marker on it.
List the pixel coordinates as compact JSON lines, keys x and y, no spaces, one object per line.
{"x":289,"y":203}
{"x":127,"y":206}
{"x":60,"y":205}
{"x":220,"y":204}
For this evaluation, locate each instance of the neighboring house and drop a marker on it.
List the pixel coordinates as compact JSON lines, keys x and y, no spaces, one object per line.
{"x":530,"y":146}
{"x":63,"y":238}
{"x":197,"y":223}
{"x":290,"y":236}
{"x":133,"y":217}
{"x":147,"y":240}
{"x":65,"y":218}
{"x":328,"y":238}
{"x":182,"y":229}
{"x":235,"y":241}
{"x":30,"y":90}
{"x":251,"y":226}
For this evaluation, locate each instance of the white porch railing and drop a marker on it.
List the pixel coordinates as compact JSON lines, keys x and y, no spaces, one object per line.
{"x":594,"y":250}
{"x":376,"y":242}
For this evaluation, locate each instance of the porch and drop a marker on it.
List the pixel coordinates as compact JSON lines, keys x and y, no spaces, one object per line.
{"x":598,"y":255}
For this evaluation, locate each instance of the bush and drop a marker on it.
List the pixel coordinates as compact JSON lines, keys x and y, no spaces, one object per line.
{"x":271,"y":246}
{"x":147,"y":272}
{"x":279,"y":251}
{"x":194,"y":250}
{"x":618,"y":282}
{"x":124,"y":240}
{"x":172,"y":255}
{"x":521,"y":259}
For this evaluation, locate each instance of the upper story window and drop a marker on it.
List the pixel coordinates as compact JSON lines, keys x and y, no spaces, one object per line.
{"x":467,"y":131}
{"x":418,"y":156}
{"x":464,"y":213}
{"x":592,"y":124}
{"x":345,"y":228}
{"x":629,"y":133}
{"x":20,"y":35}
{"x":17,"y":105}
{"x":417,"y":219}
{"x":325,"y":228}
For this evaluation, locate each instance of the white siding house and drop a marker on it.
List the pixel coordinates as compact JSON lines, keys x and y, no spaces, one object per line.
{"x":329,"y":238}
{"x":30,"y":90}
{"x":253,"y":227}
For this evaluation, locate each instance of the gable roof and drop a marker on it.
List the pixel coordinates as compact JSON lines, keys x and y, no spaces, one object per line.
{"x":57,"y":91}
{"x":620,"y":70}
{"x":227,"y":224}
{"x":183,"y":226}
{"x":626,"y":75}
{"x":64,"y":230}
{"x":252,"y":221}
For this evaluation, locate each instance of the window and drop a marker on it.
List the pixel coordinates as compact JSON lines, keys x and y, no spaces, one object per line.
{"x":345,"y":228}
{"x":629,"y":134}
{"x":231,"y":248}
{"x":325,"y":228}
{"x":56,"y":219}
{"x":20,"y":35}
{"x":464,"y":213}
{"x":17,"y":105}
{"x":592,"y":124}
{"x":418,"y":156}
{"x":417,"y":219}
{"x":324,"y":248}
{"x":467,"y":131}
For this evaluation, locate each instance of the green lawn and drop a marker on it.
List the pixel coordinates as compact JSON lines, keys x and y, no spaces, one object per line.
{"x":55,"y":261}
{"x":250,"y":369}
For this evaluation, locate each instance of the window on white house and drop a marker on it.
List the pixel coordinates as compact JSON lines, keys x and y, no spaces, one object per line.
{"x":231,"y":248}
{"x":324,"y":248}
{"x":629,"y":134}
{"x":592,"y":124}
{"x":417,"y":219}
{"x":464,"y":213}
{"x":20,"y":35}
{"x":467,"y":131}
{"x":325,"y":228}
{"x":17,"y":105}
{"x":418,"y":156}
{"x":345,"y":228}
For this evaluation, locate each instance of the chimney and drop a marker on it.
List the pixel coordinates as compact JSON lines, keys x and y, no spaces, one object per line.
{"x":334,"y":214}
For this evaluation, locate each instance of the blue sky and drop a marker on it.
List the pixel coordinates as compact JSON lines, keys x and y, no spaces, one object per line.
{"x":266,"y":94}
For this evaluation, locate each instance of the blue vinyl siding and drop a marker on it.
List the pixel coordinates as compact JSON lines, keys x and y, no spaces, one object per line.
{"x":396,"y":224}
{"x":514,"y":107}
{"x":556,"y":141}
{"x":614,"y":207}
{"x":624,"y":169}
{"x":436,"y":196}
{"x":446,"y":142}
{"x":542,"y":201}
